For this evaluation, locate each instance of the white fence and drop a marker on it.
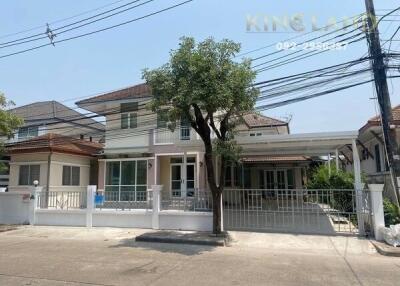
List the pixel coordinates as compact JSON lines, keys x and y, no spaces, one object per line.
{"x":14,"y":208}
{"x":301,"y":211}
{"x":71,"y":208}
{"x":242,"y":209}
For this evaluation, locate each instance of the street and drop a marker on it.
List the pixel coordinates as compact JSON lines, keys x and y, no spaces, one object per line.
{"x":105,"y":256}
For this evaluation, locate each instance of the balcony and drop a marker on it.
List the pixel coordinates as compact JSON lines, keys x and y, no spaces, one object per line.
{"x":181,"y":135}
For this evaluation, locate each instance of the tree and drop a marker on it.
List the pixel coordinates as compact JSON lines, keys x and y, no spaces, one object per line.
{"x":202,"y":85}
{"x":8,"y":121}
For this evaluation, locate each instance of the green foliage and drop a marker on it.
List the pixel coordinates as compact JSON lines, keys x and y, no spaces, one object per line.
{"x":391,"y":211}
{"x":338,"y":179}
{"x":202,"y":84}
{"x":8,"y":122}
{"x":320,"y":179}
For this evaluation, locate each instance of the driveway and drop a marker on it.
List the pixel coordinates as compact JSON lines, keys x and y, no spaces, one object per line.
{"x":106,"y":256}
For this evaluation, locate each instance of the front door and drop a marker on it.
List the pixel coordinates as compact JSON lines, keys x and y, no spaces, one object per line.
{"x":179,"y":186}
{"x":279,"y":179}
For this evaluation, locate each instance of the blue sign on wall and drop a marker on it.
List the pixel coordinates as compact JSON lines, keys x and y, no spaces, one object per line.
{"x":99,"y":200}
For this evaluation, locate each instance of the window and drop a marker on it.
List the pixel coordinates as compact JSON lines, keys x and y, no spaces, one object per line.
{"x":28,"y":132}
{"x":378,"y":159}
{"x":71,"y":176}
{"x":177,"y":160}
{"x":247,"y":177}
{"x":185,"y":129}
{"x":129,"y":107}
{"x":255,"y":134}
{"x":28,"y":174}
{"x":126,"y":181}
{"x":290,"y":178}
{"x":228,"y":175}
{"x":162,"y":119}
{"x":4,"y":168}
{"x":129,"y":118}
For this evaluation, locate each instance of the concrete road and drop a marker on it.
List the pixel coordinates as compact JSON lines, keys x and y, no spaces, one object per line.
{"x":105,"y":256}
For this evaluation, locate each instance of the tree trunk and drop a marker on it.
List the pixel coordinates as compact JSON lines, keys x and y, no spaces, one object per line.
{"x":215,"y":191}
{"x":217,"y":225}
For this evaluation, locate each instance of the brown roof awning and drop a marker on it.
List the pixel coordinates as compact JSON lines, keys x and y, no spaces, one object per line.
{"x":55,"y":143}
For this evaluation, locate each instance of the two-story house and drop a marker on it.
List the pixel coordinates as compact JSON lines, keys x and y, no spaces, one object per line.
{"x":372,"y":151}
{"x":56,"y":146}
{"x":140,"y":150}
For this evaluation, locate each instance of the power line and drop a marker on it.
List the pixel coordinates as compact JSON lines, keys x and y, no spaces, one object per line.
{"x":99,"y":30}
{"x":59,"y":21}
{"x":40,"y":36}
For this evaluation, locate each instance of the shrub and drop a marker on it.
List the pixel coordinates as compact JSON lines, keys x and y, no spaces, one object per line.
{"x":320,"y":179}
{"x":392,"y":212}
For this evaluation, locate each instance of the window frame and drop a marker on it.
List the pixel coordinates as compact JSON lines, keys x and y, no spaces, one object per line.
{"x":29,"y":130}
{"x":70,"y":182}
{"x":121,"y":186}
{"x":131,"y":117}
{"x":30,"y":179}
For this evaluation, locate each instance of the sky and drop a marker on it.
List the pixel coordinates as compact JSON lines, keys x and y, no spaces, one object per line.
{"x":115,"y":58}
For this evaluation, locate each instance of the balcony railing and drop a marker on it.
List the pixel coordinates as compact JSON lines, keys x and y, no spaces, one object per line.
{"x":179,"y":135}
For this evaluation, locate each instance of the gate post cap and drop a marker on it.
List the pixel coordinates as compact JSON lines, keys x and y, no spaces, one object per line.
{"x":157,"y":187}
{"x":375,"y":187}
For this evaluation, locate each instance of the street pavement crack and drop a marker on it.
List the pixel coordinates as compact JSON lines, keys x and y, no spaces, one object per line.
{"x":346,"y":261}
{"x":55,"y":280}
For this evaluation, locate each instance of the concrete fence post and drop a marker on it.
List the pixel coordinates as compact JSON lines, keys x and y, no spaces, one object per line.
{"x":91,"y":191}
{"x":33,"y":204}
{"x":156,"y":206}
{"x":378,"y":218}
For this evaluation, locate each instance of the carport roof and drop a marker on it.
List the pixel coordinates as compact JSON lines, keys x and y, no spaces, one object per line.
{"x":312,"y":144}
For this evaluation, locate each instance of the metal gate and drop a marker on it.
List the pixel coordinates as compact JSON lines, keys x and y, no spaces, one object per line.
{"x":297,"y":211}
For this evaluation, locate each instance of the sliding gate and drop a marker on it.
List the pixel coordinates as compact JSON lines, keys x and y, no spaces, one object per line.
{"x":297,"y":211}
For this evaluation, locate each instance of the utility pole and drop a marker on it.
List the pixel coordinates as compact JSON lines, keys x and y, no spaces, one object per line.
{"x":382,"y":90}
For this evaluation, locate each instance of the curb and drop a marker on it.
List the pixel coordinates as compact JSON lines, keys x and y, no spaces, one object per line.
{"x":209,"y":241}
{"x":179,"y":241}
{"x":385,"y":249}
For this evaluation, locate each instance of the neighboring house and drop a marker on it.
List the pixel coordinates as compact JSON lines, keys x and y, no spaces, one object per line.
{"x":57,"y":162}
{"x":141,"y":151}
{"x":41,"y":118}
{"x":53,"y":117}
{"x":372,"y":151}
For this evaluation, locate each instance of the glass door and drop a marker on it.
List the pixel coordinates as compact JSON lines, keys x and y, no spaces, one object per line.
{"x":178,"y":185}
{"x":190,"y":180}
{"x":281,"y":179}
{"x":269,"y":179}
{"x":176,"y":180}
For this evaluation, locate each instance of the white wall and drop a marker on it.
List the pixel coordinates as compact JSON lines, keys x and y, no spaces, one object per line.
{"x":179,"y":220}
{"x":14,"y":208}
{"x":134,"y":218}
{"x":60,"y":217}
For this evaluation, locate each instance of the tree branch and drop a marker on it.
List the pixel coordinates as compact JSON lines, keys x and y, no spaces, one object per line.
{"x":212,"y":124}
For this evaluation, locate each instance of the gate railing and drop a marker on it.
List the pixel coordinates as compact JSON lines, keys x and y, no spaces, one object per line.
{"x":200,"y":201}
{"x":62,"y":199}
{"x":308,"y":210}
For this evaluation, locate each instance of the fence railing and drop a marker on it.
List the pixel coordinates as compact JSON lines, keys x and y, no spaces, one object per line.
{"x":200,"y":201}
{"x":127,"y":200}
{"x":62,"y":200}
{"x":291,"y":208}
{"x":180,"y":134}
